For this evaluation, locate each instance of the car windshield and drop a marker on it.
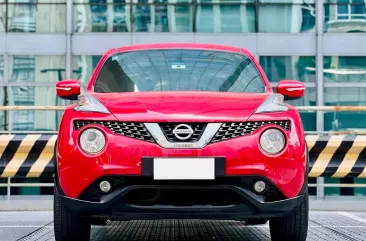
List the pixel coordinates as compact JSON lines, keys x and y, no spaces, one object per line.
{"x":179,"y":70}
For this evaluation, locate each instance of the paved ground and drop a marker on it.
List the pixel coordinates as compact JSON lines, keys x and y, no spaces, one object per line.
{"x":334,"y":226}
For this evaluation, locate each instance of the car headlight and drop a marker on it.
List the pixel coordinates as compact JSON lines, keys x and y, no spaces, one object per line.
{"x":274,"y":103}
{"x":272,"y":141}
{"x":89,"y":103}
{"x":92,"y":141}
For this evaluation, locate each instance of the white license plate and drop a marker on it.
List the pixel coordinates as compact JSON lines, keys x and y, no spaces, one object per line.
{"x":184,"y":168}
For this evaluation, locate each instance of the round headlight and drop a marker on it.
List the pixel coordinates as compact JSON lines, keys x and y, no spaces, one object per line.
{"x":272,"y":141}
{"x":92,"y":141}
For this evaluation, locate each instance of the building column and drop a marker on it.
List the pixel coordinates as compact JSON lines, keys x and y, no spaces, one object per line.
{"x":68,"y":54}
{"x":319,"y":80}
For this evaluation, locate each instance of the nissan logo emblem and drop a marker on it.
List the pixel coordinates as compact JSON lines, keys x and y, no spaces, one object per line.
{"x":183,"y":132}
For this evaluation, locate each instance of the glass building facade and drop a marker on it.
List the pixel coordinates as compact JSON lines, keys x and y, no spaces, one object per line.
{"x":319,"y":42}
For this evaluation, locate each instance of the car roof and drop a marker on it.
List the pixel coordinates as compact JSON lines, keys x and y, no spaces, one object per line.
{"x":217,"y":47}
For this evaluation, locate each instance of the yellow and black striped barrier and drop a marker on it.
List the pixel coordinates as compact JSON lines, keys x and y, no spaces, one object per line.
{"x":333,"y":156}
{"x":27,"y":155}
{"x":337,"y":155}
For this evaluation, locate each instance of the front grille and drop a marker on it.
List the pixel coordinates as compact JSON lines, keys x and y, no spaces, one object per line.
{"x":134,"y":130}
{"x":168,"y":128}
{"x":235,"y":129}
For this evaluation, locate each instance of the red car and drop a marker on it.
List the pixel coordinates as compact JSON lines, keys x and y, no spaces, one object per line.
{"x":180,"y":131}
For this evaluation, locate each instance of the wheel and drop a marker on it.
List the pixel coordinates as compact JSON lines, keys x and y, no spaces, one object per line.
{"x":68,"y":225}
{"x":293,"y":227}
{"x":256,"y":221}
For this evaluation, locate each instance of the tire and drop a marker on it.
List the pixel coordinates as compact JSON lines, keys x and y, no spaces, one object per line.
{"x":293,"y":227}
{"x":256,"y":221}
{"x":68,"y":225}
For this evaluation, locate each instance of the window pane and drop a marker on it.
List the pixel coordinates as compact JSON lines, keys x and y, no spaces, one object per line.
{"x":225,"y":18}
{"x":332,"y":191}
{"x":162,"y":18}
{"x":1,"y":72}
{"x":102,"y":17}
{"x":32,"y":17}
{"x":35,"y":1}
{"x":343,"y":17}
{"x":358,"y":191}
{"x":2,"y":16}
{"x":163,"y":1}
{"x":300,"y":68}
{"x":29,"y":96}
{"x":288,"y":1}
{"x":289,"y":18}
{"x":308,"y":121}
{"x":35,"y":120}
{"x":84,"y":67}
{"x":30,"y":68}
{"x":345,"y":191}
{"x":226,"y":1}
{"x":3,"y":101}
{"x":309,"y":99}
{"x":345,"y":96}
{"x":3,"y":125}
{"x":345,"y":69}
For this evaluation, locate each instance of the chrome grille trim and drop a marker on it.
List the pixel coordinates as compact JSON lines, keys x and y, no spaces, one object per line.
{"x":161,"y":139}
{"x":168,"y":128}
{"x":211,"y":132}
{"x":236,"y":129}
{"x":129,"y":129}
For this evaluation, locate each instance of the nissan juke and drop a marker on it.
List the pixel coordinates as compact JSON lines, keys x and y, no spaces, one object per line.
{"x":180,"y":131}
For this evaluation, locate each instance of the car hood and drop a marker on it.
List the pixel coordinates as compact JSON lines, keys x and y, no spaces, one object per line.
{"x":181,"y":106}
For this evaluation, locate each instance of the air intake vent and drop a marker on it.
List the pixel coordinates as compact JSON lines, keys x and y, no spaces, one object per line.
{"x":134,"y":130}
{"x":235,"y":129}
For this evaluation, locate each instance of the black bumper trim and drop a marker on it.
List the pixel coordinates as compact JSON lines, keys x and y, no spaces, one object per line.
{"x":147,"y":167}
{"x":252,"y":207}
{"x":220,"y":167}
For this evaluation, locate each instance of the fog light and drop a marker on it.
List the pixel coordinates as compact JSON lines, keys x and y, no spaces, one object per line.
{"x":260,"y":186}
{"x":105,"y":186}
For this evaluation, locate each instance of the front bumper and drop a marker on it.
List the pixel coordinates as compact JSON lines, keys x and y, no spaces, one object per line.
{"x":115,"y":207}
{"x":126,"y":156}
{"x":118,"y":204}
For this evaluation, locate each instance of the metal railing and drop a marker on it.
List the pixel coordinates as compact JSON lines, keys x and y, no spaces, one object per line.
{"x":9,"y":185}
{"x":318,"y":184}
{"x":10,"y":109}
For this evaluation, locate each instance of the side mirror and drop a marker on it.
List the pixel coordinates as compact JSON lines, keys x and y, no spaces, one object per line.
{"x":291,"y":89}
{"x":68,"y":89}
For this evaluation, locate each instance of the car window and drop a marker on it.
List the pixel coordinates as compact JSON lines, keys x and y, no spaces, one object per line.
{"x":179,"y":70}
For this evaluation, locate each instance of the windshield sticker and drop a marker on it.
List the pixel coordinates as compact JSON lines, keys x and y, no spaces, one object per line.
{"x":178,"y":66}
